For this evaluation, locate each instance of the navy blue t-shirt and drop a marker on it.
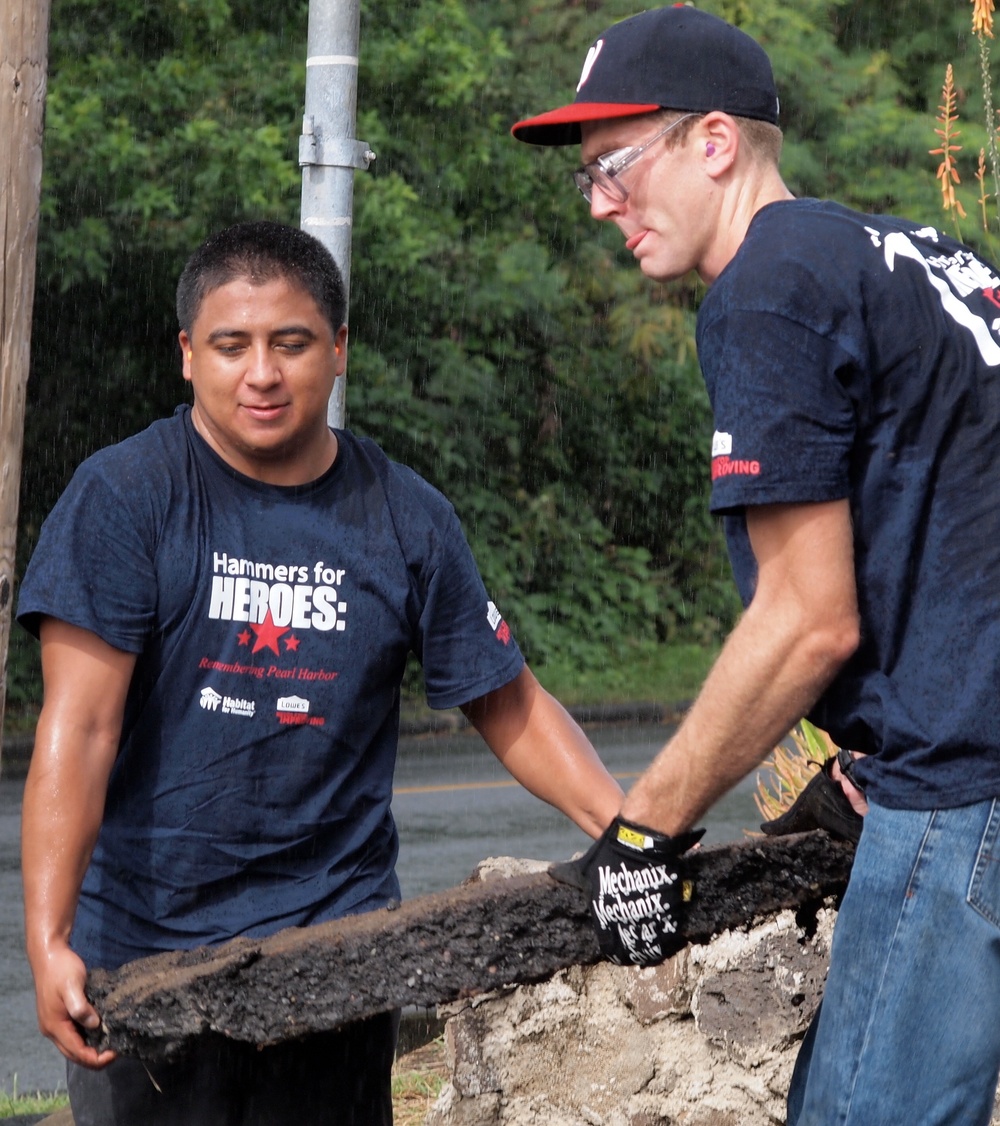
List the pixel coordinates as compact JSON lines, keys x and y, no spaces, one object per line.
{"x":856,"y":356}
{"x":272,"y":624}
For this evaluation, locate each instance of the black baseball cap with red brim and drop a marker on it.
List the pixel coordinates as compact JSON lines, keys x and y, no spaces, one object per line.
{"x":667,"y":58}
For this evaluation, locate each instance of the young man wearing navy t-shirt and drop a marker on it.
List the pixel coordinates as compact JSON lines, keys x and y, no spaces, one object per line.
{"x":226,"y":602}
{"x":853,"y":366}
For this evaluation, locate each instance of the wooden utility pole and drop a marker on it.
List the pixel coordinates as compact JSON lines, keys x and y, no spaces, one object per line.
{"x":24,"y":28}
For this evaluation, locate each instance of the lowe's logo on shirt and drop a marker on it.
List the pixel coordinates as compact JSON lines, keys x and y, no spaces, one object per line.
{"x":293,"y":704}
{"x":722,"y":443}
{"x":295,"y":710}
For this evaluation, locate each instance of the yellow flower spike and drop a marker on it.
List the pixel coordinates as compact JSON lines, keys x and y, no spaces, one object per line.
{"x":982,"y":17}
{"x":947,"y":173}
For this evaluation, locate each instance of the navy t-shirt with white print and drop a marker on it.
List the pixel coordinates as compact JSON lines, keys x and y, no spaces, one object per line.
{"x":856,"y":356}
{"x":252,"y":789}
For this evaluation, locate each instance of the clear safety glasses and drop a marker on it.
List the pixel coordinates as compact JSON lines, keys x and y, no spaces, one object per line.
{"x":606,"y":170}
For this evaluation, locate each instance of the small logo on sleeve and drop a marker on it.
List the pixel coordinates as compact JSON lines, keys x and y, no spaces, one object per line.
{"x":734,"y":467}
{"x":722,"y":443}
{"x":497,"y":624}
{"x":723,"y":465}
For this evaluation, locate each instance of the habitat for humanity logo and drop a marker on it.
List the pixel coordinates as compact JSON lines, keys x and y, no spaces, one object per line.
{"x":210,"y":701}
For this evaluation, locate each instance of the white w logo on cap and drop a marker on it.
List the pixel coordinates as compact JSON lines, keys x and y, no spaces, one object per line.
{"x":588,"y":62}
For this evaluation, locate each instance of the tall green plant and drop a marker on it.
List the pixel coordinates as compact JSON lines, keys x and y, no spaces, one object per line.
{"x":982,"y":29}
{"x":988,"y":162}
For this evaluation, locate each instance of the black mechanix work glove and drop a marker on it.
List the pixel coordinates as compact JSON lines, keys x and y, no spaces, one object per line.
{"x":635,"y":878}
{"x":822,"y":805}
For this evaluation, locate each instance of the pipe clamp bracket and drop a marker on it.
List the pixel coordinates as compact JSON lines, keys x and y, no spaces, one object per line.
{"x":339,"y":152}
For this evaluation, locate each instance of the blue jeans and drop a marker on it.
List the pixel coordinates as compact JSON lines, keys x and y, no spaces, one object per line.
{"x":908,"y":1033}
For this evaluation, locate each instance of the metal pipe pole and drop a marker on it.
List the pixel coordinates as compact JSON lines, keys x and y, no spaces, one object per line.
{"x":328,"y":152}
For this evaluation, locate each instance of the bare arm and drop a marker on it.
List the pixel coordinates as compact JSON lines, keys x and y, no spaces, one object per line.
{"x":798,"y":631}
{"x":541,"y":745}
{"x":76,"y":742}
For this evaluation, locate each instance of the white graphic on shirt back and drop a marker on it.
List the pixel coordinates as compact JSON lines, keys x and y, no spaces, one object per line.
{"x":965,"y":271}
{"x":960,"y":269}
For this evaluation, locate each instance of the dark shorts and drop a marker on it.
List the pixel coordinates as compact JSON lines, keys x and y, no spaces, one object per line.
{"x":340,"y":1078}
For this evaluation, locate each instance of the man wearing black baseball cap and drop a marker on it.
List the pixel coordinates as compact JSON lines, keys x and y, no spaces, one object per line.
{"x":853,"y":365}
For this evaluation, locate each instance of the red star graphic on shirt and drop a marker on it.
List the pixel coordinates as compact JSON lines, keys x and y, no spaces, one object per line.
{"x":292,"y":643}
{"x":267,"y":635}
{"x":244,"y":637}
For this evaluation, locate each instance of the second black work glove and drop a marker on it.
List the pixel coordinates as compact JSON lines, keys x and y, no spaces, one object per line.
{"x":635,"y":879}
{"x":821,"y":805}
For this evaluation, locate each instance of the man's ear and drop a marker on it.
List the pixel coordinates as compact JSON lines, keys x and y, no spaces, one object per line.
{"x":719,"y":136}
{"x":186,"y":353}
{"x":340,"y":350}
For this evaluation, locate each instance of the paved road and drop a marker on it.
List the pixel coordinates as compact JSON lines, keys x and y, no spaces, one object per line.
{"x":454,"y":806}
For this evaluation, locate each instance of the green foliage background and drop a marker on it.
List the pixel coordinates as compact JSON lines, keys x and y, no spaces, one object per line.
{"x":501,"y":342}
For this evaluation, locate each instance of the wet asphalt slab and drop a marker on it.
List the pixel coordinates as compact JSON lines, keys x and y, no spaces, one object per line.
{"x":454,"y":806}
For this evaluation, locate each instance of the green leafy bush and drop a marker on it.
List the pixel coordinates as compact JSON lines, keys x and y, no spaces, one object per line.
{"x":502,"y":343}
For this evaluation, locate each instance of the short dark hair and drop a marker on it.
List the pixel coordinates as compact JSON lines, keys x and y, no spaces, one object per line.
{"x":261,"y":251}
